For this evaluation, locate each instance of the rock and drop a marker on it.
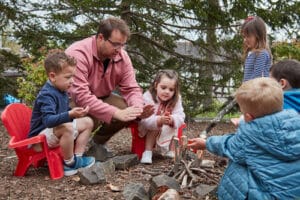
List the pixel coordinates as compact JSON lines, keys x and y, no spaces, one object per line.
{"x":162,"y":181}
{"x":125,"y":161}
{"x":99,"y":152}
{"x":100,"y":172}
{"x":203,"y":190}
{"x":135,"y":191}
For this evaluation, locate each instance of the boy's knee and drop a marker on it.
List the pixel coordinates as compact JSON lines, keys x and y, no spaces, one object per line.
{"x":89,"y":122}
{"x":65,"y":130}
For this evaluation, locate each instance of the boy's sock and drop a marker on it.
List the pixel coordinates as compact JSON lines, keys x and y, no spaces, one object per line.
{"x":78,"y":154}
{"x":70,"y":161}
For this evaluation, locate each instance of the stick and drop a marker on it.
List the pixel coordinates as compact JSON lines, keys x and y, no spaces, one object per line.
{"x":181,"y":175}
{"x":217,"y":119}
{"x":145,"y":171}
{"x":184,"y":181}
{"x":205,"y":174}
{"x":187,"y":167}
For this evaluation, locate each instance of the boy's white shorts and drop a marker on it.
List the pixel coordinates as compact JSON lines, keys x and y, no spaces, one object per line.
{"x":52,"y":140}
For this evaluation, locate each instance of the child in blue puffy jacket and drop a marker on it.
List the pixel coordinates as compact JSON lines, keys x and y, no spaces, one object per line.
{"x":264,"y":152}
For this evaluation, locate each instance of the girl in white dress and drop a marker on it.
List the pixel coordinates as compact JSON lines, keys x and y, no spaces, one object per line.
{"x":162,"y":126}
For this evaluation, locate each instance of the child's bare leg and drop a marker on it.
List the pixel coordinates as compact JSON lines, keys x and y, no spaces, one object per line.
{"x":150,"y":141}
{"x":84,"y":127}
{"x":37,"y":147}
{"x":66,"y":140}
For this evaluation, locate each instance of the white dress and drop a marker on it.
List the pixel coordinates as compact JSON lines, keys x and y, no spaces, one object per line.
{"x":166,"y":133}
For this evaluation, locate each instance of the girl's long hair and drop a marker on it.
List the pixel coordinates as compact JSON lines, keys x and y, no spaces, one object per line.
{"x":256,"y":26}
{"x":171,"y":74}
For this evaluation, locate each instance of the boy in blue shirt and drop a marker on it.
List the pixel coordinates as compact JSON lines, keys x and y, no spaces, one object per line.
{"x":287,"y":73}
{"x":52,"y":117}
{"x":264,"y":153}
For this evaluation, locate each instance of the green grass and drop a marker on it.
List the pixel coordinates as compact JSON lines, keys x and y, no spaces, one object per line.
{"x":214,"y":114}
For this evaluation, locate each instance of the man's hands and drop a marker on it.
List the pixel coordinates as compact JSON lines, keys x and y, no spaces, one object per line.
{"x":128,"y":114}
{"x":148,"y":110}
{"x":197,"y":143}
{"x":78,"y":112}
{"x":133,"y":112}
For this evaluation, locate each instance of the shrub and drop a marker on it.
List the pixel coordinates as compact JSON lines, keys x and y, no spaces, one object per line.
{"x":32,"y":81}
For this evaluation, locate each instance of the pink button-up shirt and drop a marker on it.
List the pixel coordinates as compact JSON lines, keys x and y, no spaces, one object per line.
{"x":91,"y":83}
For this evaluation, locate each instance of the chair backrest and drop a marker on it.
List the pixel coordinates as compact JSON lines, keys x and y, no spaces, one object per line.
{"x":16,"y":119}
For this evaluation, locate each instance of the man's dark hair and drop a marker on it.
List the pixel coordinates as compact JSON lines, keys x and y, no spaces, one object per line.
{"x":106,"y":27}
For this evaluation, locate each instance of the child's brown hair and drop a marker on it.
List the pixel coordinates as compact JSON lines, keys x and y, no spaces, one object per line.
{"x":256,"y":26}
{"x":171,"y":74}
{"x":56,"y":60}
{"x":288,"y":69}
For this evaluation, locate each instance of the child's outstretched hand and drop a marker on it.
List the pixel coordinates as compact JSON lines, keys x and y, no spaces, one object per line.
{"x":197,"y":143}
{"x":78,"y":112}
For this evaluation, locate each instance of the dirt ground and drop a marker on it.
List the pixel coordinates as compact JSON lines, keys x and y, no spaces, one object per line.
{"x":37,"y":184}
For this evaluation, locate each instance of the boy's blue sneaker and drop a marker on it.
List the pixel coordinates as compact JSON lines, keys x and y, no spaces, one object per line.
{"x":80,"y":162}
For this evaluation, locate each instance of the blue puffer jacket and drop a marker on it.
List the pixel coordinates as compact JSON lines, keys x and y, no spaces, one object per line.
{"x":264,"y":158}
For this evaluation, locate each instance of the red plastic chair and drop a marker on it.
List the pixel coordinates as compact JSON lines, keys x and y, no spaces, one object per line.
{"x":138,"y":143}
{"x":16,"y":119}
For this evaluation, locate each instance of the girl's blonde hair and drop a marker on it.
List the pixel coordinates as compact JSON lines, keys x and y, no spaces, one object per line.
{"x":260,"y":96}
{"x":171,"y":74}
{"x":256,"y":26}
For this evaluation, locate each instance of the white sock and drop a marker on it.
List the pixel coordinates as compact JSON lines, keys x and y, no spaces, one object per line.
{"x":70,"y":161}
{"x":78,"y":154}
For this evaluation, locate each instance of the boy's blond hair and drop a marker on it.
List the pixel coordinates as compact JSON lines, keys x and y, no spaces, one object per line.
{"x":260,"y":96}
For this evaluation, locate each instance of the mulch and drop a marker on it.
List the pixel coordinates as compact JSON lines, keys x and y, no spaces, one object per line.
{"x":38,"y":185}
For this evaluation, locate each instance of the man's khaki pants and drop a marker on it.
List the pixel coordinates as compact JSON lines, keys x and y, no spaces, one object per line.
{"x":106,"y":131}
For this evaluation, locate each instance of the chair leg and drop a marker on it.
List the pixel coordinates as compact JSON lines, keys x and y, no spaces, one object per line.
{"x":55,"y":165}
{"x":22,"y":167}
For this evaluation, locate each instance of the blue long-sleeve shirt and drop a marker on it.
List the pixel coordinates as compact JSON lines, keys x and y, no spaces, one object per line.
{"x":50,"y":109}
{"x":257,"y":65}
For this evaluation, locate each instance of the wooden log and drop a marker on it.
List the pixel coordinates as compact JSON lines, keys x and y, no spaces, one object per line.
{"x":177,"y":154}
{"x":184,"y":142}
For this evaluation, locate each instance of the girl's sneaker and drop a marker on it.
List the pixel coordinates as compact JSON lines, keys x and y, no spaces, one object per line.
{"x":80,"y":162}
{"x":147,"y":157}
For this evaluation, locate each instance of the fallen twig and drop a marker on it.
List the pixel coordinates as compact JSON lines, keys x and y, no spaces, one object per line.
{"x":145,"y":171}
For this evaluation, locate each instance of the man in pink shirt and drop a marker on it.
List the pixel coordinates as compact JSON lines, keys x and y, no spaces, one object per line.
{"x":102,"y":67}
